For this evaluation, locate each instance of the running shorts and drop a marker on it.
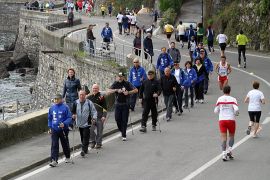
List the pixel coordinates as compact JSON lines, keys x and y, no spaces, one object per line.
{"x":103,"y":13}
{"x":255,"y":116}
{"x":227,"y":125}
{"x":222,"y":79}
{"x":182,"y":37}
{"x":169,"y":35}
{"x":222,"y":46}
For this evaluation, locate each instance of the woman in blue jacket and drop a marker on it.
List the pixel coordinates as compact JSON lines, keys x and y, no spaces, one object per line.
{"x":71,"y":88}
{"x":199,"y":85}
{"x":190,"y":77}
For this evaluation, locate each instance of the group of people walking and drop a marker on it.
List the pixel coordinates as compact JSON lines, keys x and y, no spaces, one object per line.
{"x":89,"y":111}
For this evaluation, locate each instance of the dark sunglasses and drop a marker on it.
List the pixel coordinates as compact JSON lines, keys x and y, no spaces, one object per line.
{"x":135,"y":62}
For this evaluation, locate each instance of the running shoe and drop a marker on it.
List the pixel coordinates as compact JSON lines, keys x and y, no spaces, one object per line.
{"x":98,"y":146}
{"x":92,"y":145}
{"x":124,"y":139}
{"x":143,"y":129}
{"x":239,"y":66}
{"x":229,"y":154}
{"x":201,"y":101}
{"x":53,"y":164}
{"x":196,"y":100}
{"x":154,"y":128}
{"x":82,"y":154}
{"x":248,"y":130}
{"x":67,"y":160}
{"x":245,"y":65}
{"x":224,"y":157}
{"x":255,"y":136}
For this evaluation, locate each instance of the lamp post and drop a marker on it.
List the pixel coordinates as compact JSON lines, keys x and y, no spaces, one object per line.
{"x":202,"y":11}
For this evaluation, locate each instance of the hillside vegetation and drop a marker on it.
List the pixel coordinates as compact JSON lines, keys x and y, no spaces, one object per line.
{"x":252,"y":16}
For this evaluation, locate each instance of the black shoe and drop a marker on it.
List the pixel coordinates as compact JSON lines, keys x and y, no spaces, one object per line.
{"x":181,"y":111}
{"x":229,"y":154}
{"x":154,"y":128}
{"x":168,"y":119}
{"x":205,"y":92}
{"x":82,"y":153}
{"x":143,"y":129}
{"x":185,"y":106}
{"x":92,"y":145}
{"x":176,"y":111}
{"x":248,"y":130}
{"x":245,"y":65}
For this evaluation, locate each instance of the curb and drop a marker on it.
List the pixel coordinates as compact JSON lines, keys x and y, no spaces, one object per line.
{"x":47,"y":159}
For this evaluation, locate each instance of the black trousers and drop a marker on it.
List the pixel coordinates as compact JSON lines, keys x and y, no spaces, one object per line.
{"x":121,"y":117}
{"x":85,"y":136}
{"x":120,"y":28}
{"x":178,"y":100}
{"x":241,"y":49}
{"x":137,"y":52}
{"x":63,"y":136}
{"x":199,"y":89}
{"x":149,"y":104}
{"x":191,"y":90}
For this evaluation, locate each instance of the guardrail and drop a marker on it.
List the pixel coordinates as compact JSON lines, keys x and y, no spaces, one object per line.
{"x":14,"y":106}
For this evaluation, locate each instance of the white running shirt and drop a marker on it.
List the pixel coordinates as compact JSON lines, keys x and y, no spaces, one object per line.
{"x":133,"y":19}
{"x":119,"y":18}
{"x":222,"y":38}
{"x":227,"y":108}
{"x":255,"y":96}
{"x":181,"y":29}
{"x":223,"y":70}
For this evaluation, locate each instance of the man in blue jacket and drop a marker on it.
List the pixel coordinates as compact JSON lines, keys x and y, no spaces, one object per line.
{"x":137,"y":75}
{"x":197,"y":51}
{"x":107,"y":34}
{"x":209,"y":68}
{"x":59,"y":117}
{"x":190,"y":77}
{"x":164,"y":61}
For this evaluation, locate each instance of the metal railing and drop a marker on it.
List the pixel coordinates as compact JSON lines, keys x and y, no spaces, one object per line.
{"x":14,"y":107}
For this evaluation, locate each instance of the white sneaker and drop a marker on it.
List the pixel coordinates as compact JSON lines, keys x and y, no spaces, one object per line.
{"x":53,"y":164}
{"x":201,"y":101}
{"x":124,"y":139}
{"x":196,"y":100}
{"x":239,"y":66}
{"x":224,"y":157}
{"x":68,"y":160}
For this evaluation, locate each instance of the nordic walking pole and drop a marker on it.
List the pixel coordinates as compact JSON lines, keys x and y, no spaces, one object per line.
{"x":156,"y":103}
{"x":131,"y":123}
{"x":73,"y":135}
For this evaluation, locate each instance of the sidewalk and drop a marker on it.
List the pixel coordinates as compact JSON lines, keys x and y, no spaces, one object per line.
{"x":24,"y":156}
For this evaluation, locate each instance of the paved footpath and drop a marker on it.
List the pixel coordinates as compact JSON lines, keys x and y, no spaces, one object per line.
{"x":188,"y":146}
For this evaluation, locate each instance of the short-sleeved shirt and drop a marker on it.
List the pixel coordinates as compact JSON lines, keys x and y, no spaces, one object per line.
{"x":222,"y":38}
{"x":124,"y":85}
{"x":255,"y":96}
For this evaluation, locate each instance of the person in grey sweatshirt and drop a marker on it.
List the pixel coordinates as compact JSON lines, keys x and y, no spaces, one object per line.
{"x":84,"y":113}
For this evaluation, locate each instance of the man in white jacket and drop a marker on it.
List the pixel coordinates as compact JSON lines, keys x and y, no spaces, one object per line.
{"x":227,"y":108}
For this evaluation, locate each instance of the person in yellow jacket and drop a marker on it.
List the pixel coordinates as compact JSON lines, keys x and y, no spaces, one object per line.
{"x":168,"y":29}
{"x":103,"y":8}
{"x":242,"y":41}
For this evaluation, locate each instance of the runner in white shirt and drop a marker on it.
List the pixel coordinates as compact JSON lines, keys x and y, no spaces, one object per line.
{"x":255,"y":99}
{"x":133,"y":24}
{"x":223,"y":69}
{"x":119,"y":20}
{"x":222,"y":40}
{"x":181,"y":30}
{"x":227,"y":108}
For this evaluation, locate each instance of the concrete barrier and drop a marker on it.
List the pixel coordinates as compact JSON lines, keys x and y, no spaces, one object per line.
{"x":23,"y":127}
{"x":51,"y":39}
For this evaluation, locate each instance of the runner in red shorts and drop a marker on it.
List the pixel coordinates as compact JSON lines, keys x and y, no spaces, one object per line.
{"x":223,"y":69}
{"x":227,"y":109}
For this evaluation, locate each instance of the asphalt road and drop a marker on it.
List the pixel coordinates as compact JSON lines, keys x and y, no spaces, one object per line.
{"x":188,"y":146}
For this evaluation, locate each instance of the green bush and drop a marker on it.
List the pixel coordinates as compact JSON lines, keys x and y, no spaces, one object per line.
{"x":169,"y":16}
{"x":164,"y":5}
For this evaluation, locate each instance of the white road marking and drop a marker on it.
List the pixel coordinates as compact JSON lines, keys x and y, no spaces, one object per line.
{"x":60,"y":161}
{"x":218,"y":157}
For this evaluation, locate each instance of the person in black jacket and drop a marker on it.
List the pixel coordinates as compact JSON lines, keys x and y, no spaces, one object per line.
{"x":71,"y":88}
{"x":148,"y":46}
{"x":90,"y":38}
{"x":137,"y":44}
{"x":168,"y":86}
{"x":122,"y":90}
{"x":201,"y":74}
{"x":149,"y":92}
{"x":101,"y":107}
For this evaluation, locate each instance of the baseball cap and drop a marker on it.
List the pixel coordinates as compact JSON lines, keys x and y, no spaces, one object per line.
{"x":150,"y":72}
{"x":121,"y":74}
{"x":57,"y":96}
